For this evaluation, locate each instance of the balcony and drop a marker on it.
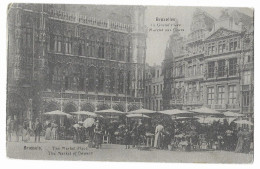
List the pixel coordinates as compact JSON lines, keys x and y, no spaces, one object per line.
{"x":196,"y":53}
{"x":233,"y":106}
{"x":194,"y":77}
{"x":196,"y":102}
{"x":90,"y":21}
{"x":221,"y":75}
{"x":176,"y":102}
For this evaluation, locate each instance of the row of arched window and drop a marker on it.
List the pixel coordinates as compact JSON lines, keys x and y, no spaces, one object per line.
{"x":95,"y":80}
{"x":90,"y":48}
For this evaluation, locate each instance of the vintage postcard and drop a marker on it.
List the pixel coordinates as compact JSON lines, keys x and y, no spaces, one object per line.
{"x":130,"y":83}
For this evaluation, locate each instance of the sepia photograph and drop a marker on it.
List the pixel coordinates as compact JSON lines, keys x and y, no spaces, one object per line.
{"x":129,"y":83}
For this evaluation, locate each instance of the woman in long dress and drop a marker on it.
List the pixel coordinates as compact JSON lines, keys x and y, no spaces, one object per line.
{"x":158,"y":136}
{"x":48,"y":132}
{"x":240,"y":141}
{"x":98,"y":135}
{"x":54,"y":131}
{"x":26,"y":134}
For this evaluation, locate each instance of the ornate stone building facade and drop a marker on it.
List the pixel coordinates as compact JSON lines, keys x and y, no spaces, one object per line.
{"x":74,"y":57}
{"x":213,"y":66}
{"x":153,"y":88}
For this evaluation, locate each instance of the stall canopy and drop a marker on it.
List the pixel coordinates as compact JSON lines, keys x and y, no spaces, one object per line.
{"x":57,"y":113}
{"x":85,"y":113}
{"x":175,"y":112}
{"x":206,"y":111}
{"x":109,"y":112}
{"x":210,"y":120}
{"x":137,"y":116}
{"x":142,"y":111}
{"x":232,"y":114}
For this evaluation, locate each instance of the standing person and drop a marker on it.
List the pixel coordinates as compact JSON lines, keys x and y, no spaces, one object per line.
{"x":9,"y":128}
{"x":37,"y":130}
{"x":247,"y":141}
{"x":16,"y":128}
{"x":158,"y":136}
{"x":240,"y":141}
{"x":26,"y":133}
{"x":91,"y":135}
{"x":54,"y":131}
{"x":98,"y":135}
{"x":127,"y":138}
{"x":48,"y":132}
{"x":228,"y":140}
{"x":140,"y":133}
{"x":134,"y":135}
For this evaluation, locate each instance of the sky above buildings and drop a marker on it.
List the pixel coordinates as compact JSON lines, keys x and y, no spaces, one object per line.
{"x":157,"y":39}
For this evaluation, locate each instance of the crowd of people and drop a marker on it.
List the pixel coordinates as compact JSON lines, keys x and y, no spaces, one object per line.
{"x":166,"y":133}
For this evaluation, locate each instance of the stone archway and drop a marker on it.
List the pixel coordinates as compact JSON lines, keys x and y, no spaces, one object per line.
{"x":103,"y":107}
{"x":52,"y":106}
{"x":70,"y":108}
{"x":133,"y":107}
{"x":16,"y":106}
{"x":88,"y":107}
{"x":119,"y":107}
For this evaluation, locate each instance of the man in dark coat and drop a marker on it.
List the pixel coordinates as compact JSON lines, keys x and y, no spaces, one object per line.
{"x":37,"y":129}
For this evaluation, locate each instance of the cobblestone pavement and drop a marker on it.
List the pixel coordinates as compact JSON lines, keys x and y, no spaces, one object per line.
{"x":67,"y":150}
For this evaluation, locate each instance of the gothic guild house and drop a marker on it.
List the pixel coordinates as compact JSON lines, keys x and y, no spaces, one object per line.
{"x":74,"y":57}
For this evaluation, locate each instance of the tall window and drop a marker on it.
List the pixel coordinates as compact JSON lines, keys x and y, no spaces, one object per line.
{"x":92,"y":47}
{"x":233,"y":44}
{"x":56,"y":78}
{"x":101,"y":79}
{"x":68,"y":46}
{"x":190,"y":92}
{"x":81,"y":51}
{"x":247,"y":77}
{"x":194,"y":70}
{"x":121,"y":82}
{"x":190,"y":70}
{"x":210,"y":95}
{"x":232,"y":94}
{"x":55,"y":43}
{"x":201,"y":69}
{"x":181,"y":70}
{"x":245,"y":98}
{"x":211,"y":67}
{"x":128,"y":52}
{"x":129,"y":83}
{"x":81,"y":84}
{"x":67,"y":85}
{"x":121,"y":53}
{"x":211,"y":48}
{"x":91,"y":79}
{"x":112,"y":81}
{"x":221,"y":95}
{"x":101,"y":49}
{"x":194,"y":92}
{"x":221,"y":47}
{"x":27,"y":38}
{"x":113,"y":49}
{"x":201,"y":92}
{"x":232,"y":66}
{"x":221,"y":68}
